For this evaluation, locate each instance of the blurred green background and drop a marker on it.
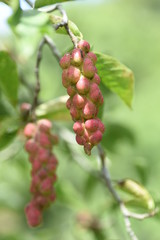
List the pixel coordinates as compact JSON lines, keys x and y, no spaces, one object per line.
{"x":129,"y":31}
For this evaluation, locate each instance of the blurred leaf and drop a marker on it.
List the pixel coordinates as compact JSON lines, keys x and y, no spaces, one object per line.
{"x":9,"y":77}
{"x":5,"y":1}
{"x":15,"y":18}
{"x":142,"y":168}
{"x":14,"y":4}
{"x":4,"y":111}
{"x":116,"y":76}
{"x":138,"y":191}
{"x":42,"y":3}
{"x":54,"y":109}
{"x":72,"y":26}
{"x":91,"y":182}
{"x":12,"y":150}
{"x":9,"y":128}
{"x":116,"y":134}
{"x":69,"y":195}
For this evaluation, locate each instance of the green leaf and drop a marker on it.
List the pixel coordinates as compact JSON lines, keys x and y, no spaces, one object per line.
{"x":12,"y":150}
{"x":54,"y":109}
{"x":9,"y":77}
{"x":9,"y":128}
{"x":42,"y":3}
{"x":138,"y":192}
{"x":116,"y":77}
{"x":5,"y":1}
{"x":72,"y":26}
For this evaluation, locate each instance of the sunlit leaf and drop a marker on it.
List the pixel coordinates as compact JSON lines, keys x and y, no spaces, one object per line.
{"x":116,"y":77}
{"x":72,"y":26}
{"x":138,"y":192}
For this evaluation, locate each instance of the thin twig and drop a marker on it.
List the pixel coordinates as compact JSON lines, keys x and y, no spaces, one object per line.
{"x":46,"y":40}
{"x":64,"y":23}
{"x":106,"y":177}
{"x":126,"y":213}
{"x":29,"y":3}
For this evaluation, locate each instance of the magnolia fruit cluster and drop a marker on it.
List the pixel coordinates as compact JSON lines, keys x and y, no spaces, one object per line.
{"x":82,"y":82}
{"x":39,"y":147}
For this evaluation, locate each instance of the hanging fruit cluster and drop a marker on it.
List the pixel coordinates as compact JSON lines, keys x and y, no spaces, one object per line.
{"x":39,"y":147}
{"x":82,"y":82}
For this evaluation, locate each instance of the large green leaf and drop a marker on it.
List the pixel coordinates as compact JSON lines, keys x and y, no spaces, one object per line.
{"x":141,"y":196}
{"x":72,"y":26}
{"x":42,"y":3}
{"x":116,"y":77}
{"x":9,"y":77}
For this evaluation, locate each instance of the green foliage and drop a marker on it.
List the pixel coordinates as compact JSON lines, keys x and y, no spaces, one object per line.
{"x":54,"y":109}
{"x":72,"y":26}
{"x":42,"y":3}
{"x":9,"y":80}
{"x":116,"y":76}
{"x":140,"y":194}
{"x":9,"y":129}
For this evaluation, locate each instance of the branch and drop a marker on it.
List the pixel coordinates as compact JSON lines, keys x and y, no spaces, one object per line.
{"x":126,"y":214}
{"x":46,"y":40}
{"x":64,"y":23}
{"x":29,"y":3}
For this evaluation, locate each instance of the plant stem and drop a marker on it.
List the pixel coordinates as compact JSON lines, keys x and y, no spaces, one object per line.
{"x":46,"y":40}
{"x":63,"y":23}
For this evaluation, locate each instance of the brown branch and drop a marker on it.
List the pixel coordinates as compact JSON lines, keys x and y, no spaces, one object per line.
{"x":64,"y":23}
{"x":29,"y":3}
{"x":46,"y":40}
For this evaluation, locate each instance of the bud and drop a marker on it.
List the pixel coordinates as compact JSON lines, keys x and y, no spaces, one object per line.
{"x":65,"y":61}
{"x":44,"y":163}
{"x":84,"y":46}
{"x":81,"y":80}
{"x":33,"y":214}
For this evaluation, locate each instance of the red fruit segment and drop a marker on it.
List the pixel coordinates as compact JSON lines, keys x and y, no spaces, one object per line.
{"x":29,"y":130}
{"x":65,"y":61}
{"x":88,"y":68}
{"x":96,"y":79}
{"x":96,"y":137}
{"x":65,"y":80}
{"x":84,"y":46}
{"x":78,"y":101}
{"x":73,"y":74}
{"x":33,"y":214}
{"x":92,"y":56}
{"x":71,"y":90}
{"x":77,"y":57}
{"x":91,"y":125}
{"x":44,"y":163}
{"x":89,"y":110}
{"x":78,"y":128}
{"x":83,"y":85}
{"x":44,"y":125}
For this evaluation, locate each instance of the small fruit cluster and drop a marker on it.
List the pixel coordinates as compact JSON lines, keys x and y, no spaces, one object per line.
{"x":39,"y":146}
{"x":81,"y":80}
